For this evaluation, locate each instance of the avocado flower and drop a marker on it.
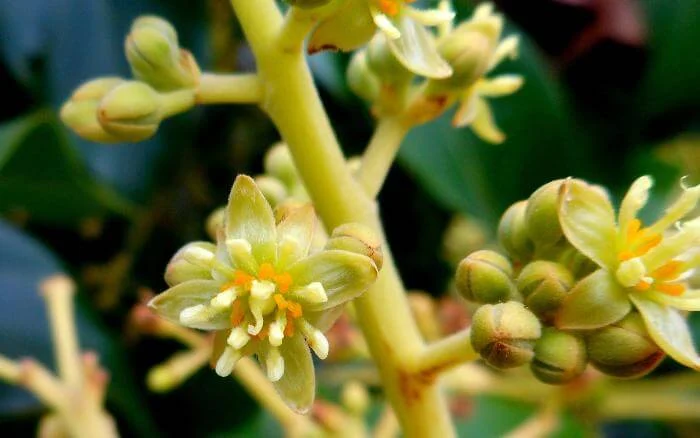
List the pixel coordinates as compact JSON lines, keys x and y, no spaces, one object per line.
{"x":641,"y":266}
{"x":263,"y":293}
{"x":405,"y":27}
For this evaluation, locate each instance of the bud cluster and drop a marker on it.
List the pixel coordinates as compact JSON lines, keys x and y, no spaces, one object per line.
{"x":547,"y":304}
{"x":113,"y":109}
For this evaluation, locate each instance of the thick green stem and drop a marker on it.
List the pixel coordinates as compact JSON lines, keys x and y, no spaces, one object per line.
{"x":381,"y":153}
{"x":228,"y":88}
{"x":291,"y":100}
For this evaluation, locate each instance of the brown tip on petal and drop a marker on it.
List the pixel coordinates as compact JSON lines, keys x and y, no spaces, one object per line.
{"x":311,"y":50}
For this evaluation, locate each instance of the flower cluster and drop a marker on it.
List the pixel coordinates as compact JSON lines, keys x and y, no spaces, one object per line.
{"x":263,"y":293}
{"x":606,"y":289}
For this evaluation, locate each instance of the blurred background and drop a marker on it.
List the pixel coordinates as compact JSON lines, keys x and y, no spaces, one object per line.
{"x":612,"y":91}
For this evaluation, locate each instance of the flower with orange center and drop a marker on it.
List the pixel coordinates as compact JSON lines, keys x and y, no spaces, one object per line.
{"x":642,"y":266}
{"x":263,"y":292}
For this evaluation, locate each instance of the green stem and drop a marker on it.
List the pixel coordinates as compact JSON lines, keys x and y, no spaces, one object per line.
{"x":10,"y":370}
{"x":176,"y":102}
{"x":381,"y":153}
{"x":228,"y":88}
{"x":446,"y":353}
{"x":292,"y":102}
{"x":645,"y":406}
{"x":296,"y":27}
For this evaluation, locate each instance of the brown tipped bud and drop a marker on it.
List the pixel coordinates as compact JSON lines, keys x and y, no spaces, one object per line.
{"x":544,"y":285}
{"x":559,"y":357}
{"x":542,"y":215}
{"x":512,"y":233}
{"x":359,"y":239}
{"x":130,"y":111}
{"x":504,"y":334}
{"x":486,"y":277}
{"x":624,"y":349}
{"x":80,"y":111}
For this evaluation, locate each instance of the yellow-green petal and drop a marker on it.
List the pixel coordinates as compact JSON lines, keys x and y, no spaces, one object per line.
{"x":349,"y":28}
{"x":588,"y":221}
{"x":343,"y":274}
{"x":677,"y":211}
{"x":596,"y":301}
{"x":297,"y":387}
{"x":636,"y":198}
{"x":180,"y":270}
{"x":466,"y":111}
{"x":416,"y":50}
{"x":500,"y":85}
{"x":484,"y":125}
{"x":690,"y":300}
{"x":173,"y":301}
{"x":673,"y":246}
{"x":294,"y":233}
{"x":249,"y":217}
{"x":669,"y":330}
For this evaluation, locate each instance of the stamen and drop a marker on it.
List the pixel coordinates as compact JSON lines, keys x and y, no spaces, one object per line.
{"x":643,"y":286}
{"x":224,"y":299}
{"x":313,"y":293}
{"x":289,"y":328}
{"x":284,"y":282}
{"x":668,"y":271}
{"x":194,"y":314}
{"x":673,"y":289}
{"x":274,"y":364}
{"x":294,"y":309}
{"x":647,"y":243}
{"x":316,"y":340}
{"x":241,"y":278}
{"x":277,"y":329}
{"x":227,"y":361}
{"x":389,"y":7}
{"x":262,"y":290}
{"x":238,"y":338}
{"x":266,"y":272}
{"x":256,"y":308}
{"x":280,"y":301}
{"x":237,"y":313}
{"x":633,"y":228}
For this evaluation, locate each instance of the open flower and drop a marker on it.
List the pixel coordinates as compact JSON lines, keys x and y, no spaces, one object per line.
{"x":473,"y":109}
{"x":262,"y":292}
{"x":356,"y":21}
{"x":641,"y":266}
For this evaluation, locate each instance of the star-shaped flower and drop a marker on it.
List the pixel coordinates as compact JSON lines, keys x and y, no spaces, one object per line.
{"x":262,"y":291}
{"x":642,"y":266}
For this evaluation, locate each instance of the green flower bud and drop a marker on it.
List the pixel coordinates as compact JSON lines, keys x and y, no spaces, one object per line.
{"x":382,"y":61}
{"x":504,"y":334}
{"x":624,"y":349}
{"x":359,"y":239}
{"x":273,"y":189}
{"x":463,"y":236}
{"x":279,"y":163}
{"x":542,"y":214}
{"x":355,"y":397}
{"x":468,"y":51}
{"x":155,"y":56}
{"x":512,"y":232}
{"x":215,"y":222}
{"x":559,"y":357}
{"x":544,"y":285}
{"x":361,"y":79}
{"x":486,"y":277}
{"x":80,"y":111}
{"x":131,"y":111}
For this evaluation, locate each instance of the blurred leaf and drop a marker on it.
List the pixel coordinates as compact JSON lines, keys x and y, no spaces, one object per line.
{"x":467,"y":175}
{"x":25,"y":330}
{"x":41,"y":174}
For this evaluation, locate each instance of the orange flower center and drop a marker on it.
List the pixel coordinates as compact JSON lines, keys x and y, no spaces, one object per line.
{"x":638,"y":241}
{"x":662,"y":279}
{"x":391,"y":7}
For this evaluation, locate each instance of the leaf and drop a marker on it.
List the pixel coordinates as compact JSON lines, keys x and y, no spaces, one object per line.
{"x":41,"y":174}
{"x":26,"y":333}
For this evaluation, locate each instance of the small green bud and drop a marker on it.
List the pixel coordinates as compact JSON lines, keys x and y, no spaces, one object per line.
{"x":542,"y":214}
{"x":504,"y":334}
{"x":559,"y":357}
{"x":468,"y":51}
{"x":361,"y":79}
{"x":544,"y":285}
{"x":155,"y":56}
{"x":359,"y":239}
{"x":624,"y":349}
{"x":279,"y":163}
{"x":131,"y":111}
{"x":463,"y":236}
{"x":215,"y":222}
{"x":273,"y":189}
{"x":80,"y":111}
{"x":486,"y":277}
{"x":382,"y":61}
{"x":512,"y":232}
{"x":355,"y":397}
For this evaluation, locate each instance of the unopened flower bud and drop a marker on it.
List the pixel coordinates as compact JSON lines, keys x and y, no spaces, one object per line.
{"x":512,"y":232}
{"x":155,"y":56}
{"x":504,"y":334}
{"x":542,"y":214}
{"x":215,"y":221}
{"x":355,"y":397}
{"x":468,"y":51}
{"x":544,"y":285}
{"x":382,"y":61}
{"x":624,"y":349}
{"x":279,"y":163}
{"x":80,"y":111}
{"x":131,"y":111}
{"x":486,"y":277}
{"x":181,"y":269}
{"x":361,"y":79}
{"x":273,"y":189}
{"x":559,"y":357}
{"x":463,"y":236}
{"x":359,"y":239}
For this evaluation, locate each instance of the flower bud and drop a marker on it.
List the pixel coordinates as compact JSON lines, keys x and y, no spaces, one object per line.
{"x":544,"y":285}
{"x":355,"y":397}
{"x":131,"y":111}
{"x":504,"y":334}
{"x":382,"y":61}
{"x":486,"y":277}
{"x":273,"y":190}
{"x":361,"y":79}
{"x":279,"y":163}
{"x":80,"y":111}
{"x":215,"y":221}
{"x":512,"y":232}
{"x":463,"y":236}
{"x":468,"y":50}
{"x":542,"y":214}
{"x":180,"y":269}
{"x":156,"y":58}
{"x":624,"y":349}
{"x":359,"y":239}
{"x":559,"y":357}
